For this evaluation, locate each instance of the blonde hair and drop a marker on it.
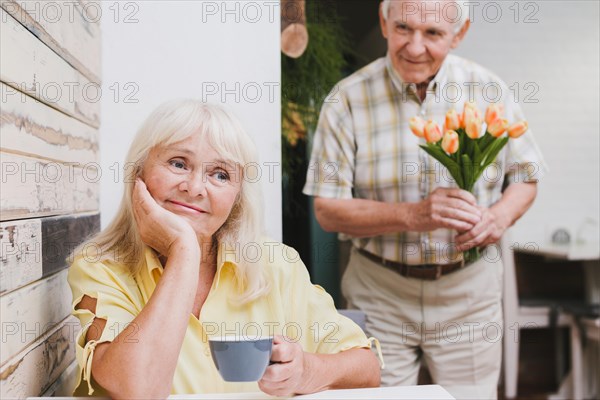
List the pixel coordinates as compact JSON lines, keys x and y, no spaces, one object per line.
{"x":172,"y":122}
{"x":462,"y":7}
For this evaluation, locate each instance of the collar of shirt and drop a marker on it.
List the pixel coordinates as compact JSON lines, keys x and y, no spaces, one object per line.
{"x":436,"y":84}
{"x":226,"y":258}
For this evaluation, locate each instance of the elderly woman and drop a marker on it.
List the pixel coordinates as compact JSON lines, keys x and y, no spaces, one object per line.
{"x":184,"y":260}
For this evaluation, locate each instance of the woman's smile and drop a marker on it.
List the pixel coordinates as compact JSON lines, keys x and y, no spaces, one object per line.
{"x":187,"y":207}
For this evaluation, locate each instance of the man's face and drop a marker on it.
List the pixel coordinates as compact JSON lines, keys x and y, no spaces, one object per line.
{"x":419,"y":37}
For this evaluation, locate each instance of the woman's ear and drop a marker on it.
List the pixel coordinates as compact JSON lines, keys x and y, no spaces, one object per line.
{"x":139,"y":170}
{"x":235,"y":208}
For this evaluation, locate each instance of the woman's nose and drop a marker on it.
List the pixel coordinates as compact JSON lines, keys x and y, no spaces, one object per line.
{"x":194,"y":185}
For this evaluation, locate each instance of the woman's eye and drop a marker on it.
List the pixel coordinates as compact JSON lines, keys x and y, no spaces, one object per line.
{"x":177,"y":164}
{"x":222,"y":176}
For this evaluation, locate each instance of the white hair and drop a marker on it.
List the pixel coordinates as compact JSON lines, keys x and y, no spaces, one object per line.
{"x":172,"y":122}
{"x":461,"y":6}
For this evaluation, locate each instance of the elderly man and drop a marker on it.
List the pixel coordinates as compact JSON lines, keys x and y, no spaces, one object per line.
{"x":407,"y":219}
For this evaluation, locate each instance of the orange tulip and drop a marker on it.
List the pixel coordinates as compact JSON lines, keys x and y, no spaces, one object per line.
{"x":493,"y":112}
{"x":450,"y":142}
{"x":417,"y":126}
{"x":497,"y":127}
{"x":477,"y":112}
{"x":473,"y":128}
{"x":468,"y":113}
{"x":433,"y":134}
{"x":452,"y":120}
{"x":517,"y":129}
{"x":463,"y":117}
{"x":470,"y":108}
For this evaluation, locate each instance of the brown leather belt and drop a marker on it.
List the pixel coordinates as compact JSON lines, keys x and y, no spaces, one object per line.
{"x":429,"y":272}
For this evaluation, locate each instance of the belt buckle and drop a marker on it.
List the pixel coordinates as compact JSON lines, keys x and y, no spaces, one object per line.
{"x":437,"y":268}
{"x":438,"y":271}
{"x":385,"y":263}
{"x":426,"y":267}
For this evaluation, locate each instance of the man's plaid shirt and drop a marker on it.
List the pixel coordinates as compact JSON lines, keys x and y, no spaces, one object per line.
{"x":363,"y":148}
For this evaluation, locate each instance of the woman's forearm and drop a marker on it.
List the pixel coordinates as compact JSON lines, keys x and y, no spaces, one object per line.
{"x":354,"y":368}
{"x":141,"y":361}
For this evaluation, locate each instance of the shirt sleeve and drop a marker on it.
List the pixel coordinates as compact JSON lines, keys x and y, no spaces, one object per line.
{"x":112,"y":289}
{"x":524,"y":160}
{"x":318,"y":326}
{"x":331,"y":169}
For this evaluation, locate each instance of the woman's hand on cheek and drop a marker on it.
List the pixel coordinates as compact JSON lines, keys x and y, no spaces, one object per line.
{"x":159,"y":228}
{"x":285,"y":376}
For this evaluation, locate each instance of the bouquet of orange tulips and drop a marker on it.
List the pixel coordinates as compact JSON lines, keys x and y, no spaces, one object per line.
{"x":462,"y":149}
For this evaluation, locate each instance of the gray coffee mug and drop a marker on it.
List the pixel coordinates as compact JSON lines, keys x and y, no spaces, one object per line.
{"x":241,"y":360}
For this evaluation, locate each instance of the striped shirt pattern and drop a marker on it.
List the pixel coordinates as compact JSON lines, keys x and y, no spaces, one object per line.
{"x":363,"y":148}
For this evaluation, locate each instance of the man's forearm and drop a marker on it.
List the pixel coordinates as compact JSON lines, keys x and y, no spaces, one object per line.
{"x":444,"y":208}
{"x":515,"y":201}
{"x":364,"y":218}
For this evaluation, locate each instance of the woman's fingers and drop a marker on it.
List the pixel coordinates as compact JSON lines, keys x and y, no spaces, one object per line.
{"x":142,"y":197}
{"x":155,"y":224}
{"x":282,"y":350}
{"x":275,"y":388}
{"x":278,"y":372}
{"x":281,"y":378}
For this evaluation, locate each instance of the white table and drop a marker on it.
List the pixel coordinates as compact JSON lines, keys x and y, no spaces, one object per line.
{"x":399,"y":392}
{"x":588,"y":253}
{"x":571,"y":252}
{"x":422,"y":392}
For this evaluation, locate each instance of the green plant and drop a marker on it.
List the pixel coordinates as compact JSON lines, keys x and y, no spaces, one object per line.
{"x":307,"y":80}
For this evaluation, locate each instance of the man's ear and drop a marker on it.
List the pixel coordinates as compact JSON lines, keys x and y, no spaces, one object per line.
{"x":461,"y":34}
{"x":382,"y":21}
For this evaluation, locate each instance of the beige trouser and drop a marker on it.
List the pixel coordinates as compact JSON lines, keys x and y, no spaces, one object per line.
{"x":454,"y":323}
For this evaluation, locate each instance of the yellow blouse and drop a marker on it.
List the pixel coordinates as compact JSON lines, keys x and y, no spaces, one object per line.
{"x":293,"y":307}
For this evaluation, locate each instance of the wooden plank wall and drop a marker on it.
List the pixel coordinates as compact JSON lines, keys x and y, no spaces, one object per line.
{"x":49,"y":119}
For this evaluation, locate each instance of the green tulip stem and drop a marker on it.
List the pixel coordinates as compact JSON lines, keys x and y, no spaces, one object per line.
{"x":467,"y":165}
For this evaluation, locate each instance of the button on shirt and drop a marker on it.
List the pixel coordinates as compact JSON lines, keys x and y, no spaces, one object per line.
{"x":363,"y":148}
{"x":293,"y":307}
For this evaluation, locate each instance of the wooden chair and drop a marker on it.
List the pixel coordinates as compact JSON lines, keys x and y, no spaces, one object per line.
{"x":359,"y":317}
{"x":586,"y":327}
{"x":521,"y":315}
